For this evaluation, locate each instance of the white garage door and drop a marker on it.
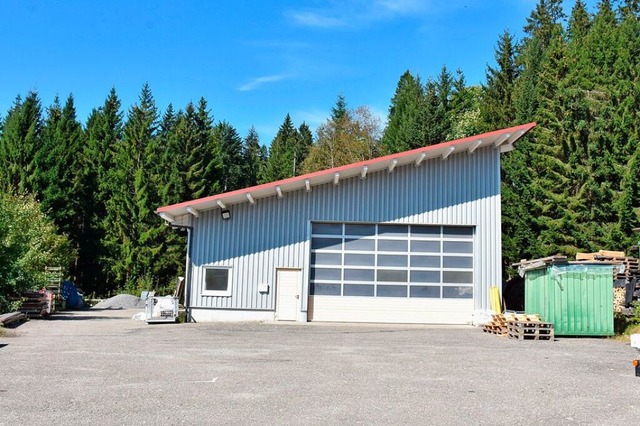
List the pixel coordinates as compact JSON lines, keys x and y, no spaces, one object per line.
{"x":391,"y":273}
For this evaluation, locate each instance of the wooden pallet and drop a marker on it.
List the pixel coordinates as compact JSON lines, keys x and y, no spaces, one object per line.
{"x":500,"y":330}
{"x":498,"y":324}
{"x":522,"y":330}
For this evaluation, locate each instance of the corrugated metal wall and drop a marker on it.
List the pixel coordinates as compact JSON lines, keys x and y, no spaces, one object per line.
{"x":577,"y":299}
{"x":274,"y":233}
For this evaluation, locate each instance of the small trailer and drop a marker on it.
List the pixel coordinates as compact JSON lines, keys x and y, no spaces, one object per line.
{"x":161,"y":309}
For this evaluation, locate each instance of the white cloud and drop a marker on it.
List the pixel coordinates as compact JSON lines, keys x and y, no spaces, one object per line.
{"x":313,"y":19}
{"x":402,"y":7}
{"x":313,"y":118}
{"x":259,"y":81}
{"x":361,"y":13}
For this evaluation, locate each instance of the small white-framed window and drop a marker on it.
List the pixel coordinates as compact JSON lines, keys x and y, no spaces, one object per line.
{"x":217,"y":281}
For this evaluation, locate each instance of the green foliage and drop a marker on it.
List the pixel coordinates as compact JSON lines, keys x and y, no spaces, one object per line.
{"x":57,"y":174}
{"x":254,"y":158}
{"x":403,"y":129}
{"x":29,"y":242}
{"x":228,"y":144}
{"x":104,"y":131}
{"x":285,"y":153}
{"x":19,"y":144}
{"x":133,"y":237}
{"x":422,"y":115}
{"x":571,"y":185}
{"x":497,"y":103}
{"x":346,"y":138}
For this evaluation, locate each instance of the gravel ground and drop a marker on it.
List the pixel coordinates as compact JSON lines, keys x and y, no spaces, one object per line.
{"x":121,"y":301}
{"x":100,"y":367}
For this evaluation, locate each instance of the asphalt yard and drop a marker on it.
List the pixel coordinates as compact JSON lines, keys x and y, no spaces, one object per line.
{"x":102,"y":368}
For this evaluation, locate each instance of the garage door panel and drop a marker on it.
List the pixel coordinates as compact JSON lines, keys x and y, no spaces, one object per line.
{"x":391,"y":266}
{"x":390,"y":310}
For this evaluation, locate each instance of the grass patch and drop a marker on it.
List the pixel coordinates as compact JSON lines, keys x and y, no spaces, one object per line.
{"x":630,"y":329}
{"x":626,"y":325}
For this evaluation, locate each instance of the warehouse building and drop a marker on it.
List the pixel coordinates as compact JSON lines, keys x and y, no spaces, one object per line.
{"x":413,"y":237}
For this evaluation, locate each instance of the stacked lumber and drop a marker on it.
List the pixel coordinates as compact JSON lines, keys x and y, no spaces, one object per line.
{"x":630,"y":264}
{"x":500,"y":323}
{"x":37,"y":303}
{"x":543,"y":262}
{"x":10,"y":318}
{"x":600,"y":255}
{"x":626,"y":277}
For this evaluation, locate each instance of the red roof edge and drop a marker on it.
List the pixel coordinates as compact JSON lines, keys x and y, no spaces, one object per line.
{"x":523,"y":127}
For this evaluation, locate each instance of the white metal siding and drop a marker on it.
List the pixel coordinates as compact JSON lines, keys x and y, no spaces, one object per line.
{"x":275,"y":233}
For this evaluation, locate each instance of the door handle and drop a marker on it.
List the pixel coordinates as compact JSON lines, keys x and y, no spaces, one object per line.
{"x":297,"y":296}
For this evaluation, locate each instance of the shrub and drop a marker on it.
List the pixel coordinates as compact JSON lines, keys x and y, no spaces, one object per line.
{"x":28,"y":243}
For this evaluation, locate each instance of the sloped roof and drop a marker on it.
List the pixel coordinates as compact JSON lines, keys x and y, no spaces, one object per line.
{"x":503,"y":139}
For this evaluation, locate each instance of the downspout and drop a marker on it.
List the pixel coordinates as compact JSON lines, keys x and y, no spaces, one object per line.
{"x":187,"y":296}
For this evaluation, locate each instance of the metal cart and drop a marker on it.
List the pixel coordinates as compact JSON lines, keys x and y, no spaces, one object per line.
{"x":161,"y":309}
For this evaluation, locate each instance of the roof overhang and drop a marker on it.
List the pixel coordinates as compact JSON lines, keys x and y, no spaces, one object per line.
{"x":499,"y":139}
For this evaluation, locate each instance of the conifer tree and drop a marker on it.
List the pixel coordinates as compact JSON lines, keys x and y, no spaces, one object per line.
{"x":21,"y":140}
{"x":579,"y":22}
{"x":103,"y":132}
{"x":304,"y":143}
{"x":229,"y":144}
{"x":464,"y":109}
{"x":255,"y":157}
{"x":280,"y":164}
{"x":133,"y":238}
{"x":57,"y":177}
{"x":404,"y":129}
{"x":497,"y":108}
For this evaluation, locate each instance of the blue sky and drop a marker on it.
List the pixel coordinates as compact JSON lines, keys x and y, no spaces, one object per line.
{"x":254,"y":61}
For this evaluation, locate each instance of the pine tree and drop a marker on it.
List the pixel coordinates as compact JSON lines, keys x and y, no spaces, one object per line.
{"x":229,"y":145}
{"x":304,"y":142}
{"x":280,"y":164}
{"x":21,"y":140}
{"x":497,"y":106}
{"x":464,"y":109}
{"x":340,"y":109}
{"x":579,"y":22}
{"x":544,"y":23}
{"x":57,"y":177}
{"x":133,"y":238}
{"x":255,"y":157}
{"x":404,"y":130}
{"x":434,"y":126}
{"x":103,"y":133}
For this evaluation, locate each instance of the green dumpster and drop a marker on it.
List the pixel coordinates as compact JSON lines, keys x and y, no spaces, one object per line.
{"x":576,"y":298}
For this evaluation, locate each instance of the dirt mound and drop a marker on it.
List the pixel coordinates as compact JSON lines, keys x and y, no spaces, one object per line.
{"x":121,"y":301}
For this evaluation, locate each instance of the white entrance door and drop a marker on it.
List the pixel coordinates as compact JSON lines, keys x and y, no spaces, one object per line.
{"x":288,"y":296}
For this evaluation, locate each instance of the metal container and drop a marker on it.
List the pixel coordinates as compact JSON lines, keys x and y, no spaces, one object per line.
{"x":576,"y":298}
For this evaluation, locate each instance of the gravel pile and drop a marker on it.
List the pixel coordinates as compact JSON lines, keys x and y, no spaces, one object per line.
{"x":121,"y":301}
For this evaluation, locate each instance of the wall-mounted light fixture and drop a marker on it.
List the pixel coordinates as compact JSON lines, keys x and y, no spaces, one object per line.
{"x":226,"y":214}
